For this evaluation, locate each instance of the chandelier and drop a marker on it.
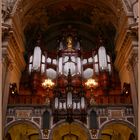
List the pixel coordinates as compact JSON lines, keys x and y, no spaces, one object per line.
{"x":91,"y":84}
{"x":48,"y":84}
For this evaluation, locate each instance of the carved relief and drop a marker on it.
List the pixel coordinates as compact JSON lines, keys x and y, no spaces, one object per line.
{"x":23,"y":114}
{"x":7,"y":7}
{"x":116,"y":114}
{"x":127,"y":5}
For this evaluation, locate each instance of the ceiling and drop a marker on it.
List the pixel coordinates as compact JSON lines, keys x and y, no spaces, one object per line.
{"x":91,"y":19}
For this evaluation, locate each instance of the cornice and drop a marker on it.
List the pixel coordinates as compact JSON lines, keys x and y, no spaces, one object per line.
{"x":132,"y":59}
{"x":122,"y":39}
{"x":18,"y":35}
{"x":128,"y":44}
{"x":16,"y":53}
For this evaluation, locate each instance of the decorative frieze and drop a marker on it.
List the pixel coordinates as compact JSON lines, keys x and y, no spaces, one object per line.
{"x":23,"y":114}
{"x":129,"y":111}
{"x":116,"y":114}
{"x":102,"y":111}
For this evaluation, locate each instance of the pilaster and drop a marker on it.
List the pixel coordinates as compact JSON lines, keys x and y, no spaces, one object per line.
{"x":8,"y":67}
{"x":132,"y":67}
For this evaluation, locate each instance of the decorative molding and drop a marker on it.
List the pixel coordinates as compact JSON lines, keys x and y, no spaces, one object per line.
{"x":9,"y":119}
{"x":7,"y":6}
{"x":133,"y":59}
{"x":37,"y":120}
{"x":102,"y":120}
{"x":131,"y":120}
{"x":23,"y":114}
{"x":128,"y":6}
{"x":116,"y":114}
{"x":124,"y":48}
{"x":16,"y":7}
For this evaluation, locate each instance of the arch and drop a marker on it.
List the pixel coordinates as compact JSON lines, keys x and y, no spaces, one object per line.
{"x":28,"y":6}
{"x":63,"y":128}
{"x":23,"y":122}
{"x":121,"y":124}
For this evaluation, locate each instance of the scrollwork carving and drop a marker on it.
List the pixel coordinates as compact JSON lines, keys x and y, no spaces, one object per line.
{"x":7,"y":7}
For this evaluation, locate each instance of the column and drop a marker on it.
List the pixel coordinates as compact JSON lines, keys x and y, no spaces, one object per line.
{"x":8,"y":67}
{"x":0,"y":91}
{"x":133,"y":75}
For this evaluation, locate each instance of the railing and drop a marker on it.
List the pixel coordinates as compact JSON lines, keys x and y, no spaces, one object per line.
{"x":101,"y":100}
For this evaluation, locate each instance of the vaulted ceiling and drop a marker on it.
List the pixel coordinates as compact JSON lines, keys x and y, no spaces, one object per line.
{"x":91,"y":18}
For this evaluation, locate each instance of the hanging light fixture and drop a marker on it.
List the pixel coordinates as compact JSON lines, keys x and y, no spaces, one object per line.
{"x":48,"y":84}
{"x":91,"y":83}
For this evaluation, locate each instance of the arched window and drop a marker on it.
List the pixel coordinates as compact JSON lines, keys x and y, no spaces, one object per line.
{"x":93,"y":120}
{"x":46,"y":120}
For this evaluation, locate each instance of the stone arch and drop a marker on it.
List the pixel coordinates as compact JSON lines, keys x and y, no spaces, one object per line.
{"x":119,"y":124}
{"x":23,"y":122}
{"x":63,"y":128}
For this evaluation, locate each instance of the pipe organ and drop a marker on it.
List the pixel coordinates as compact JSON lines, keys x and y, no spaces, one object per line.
{"x":69,"y":68}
